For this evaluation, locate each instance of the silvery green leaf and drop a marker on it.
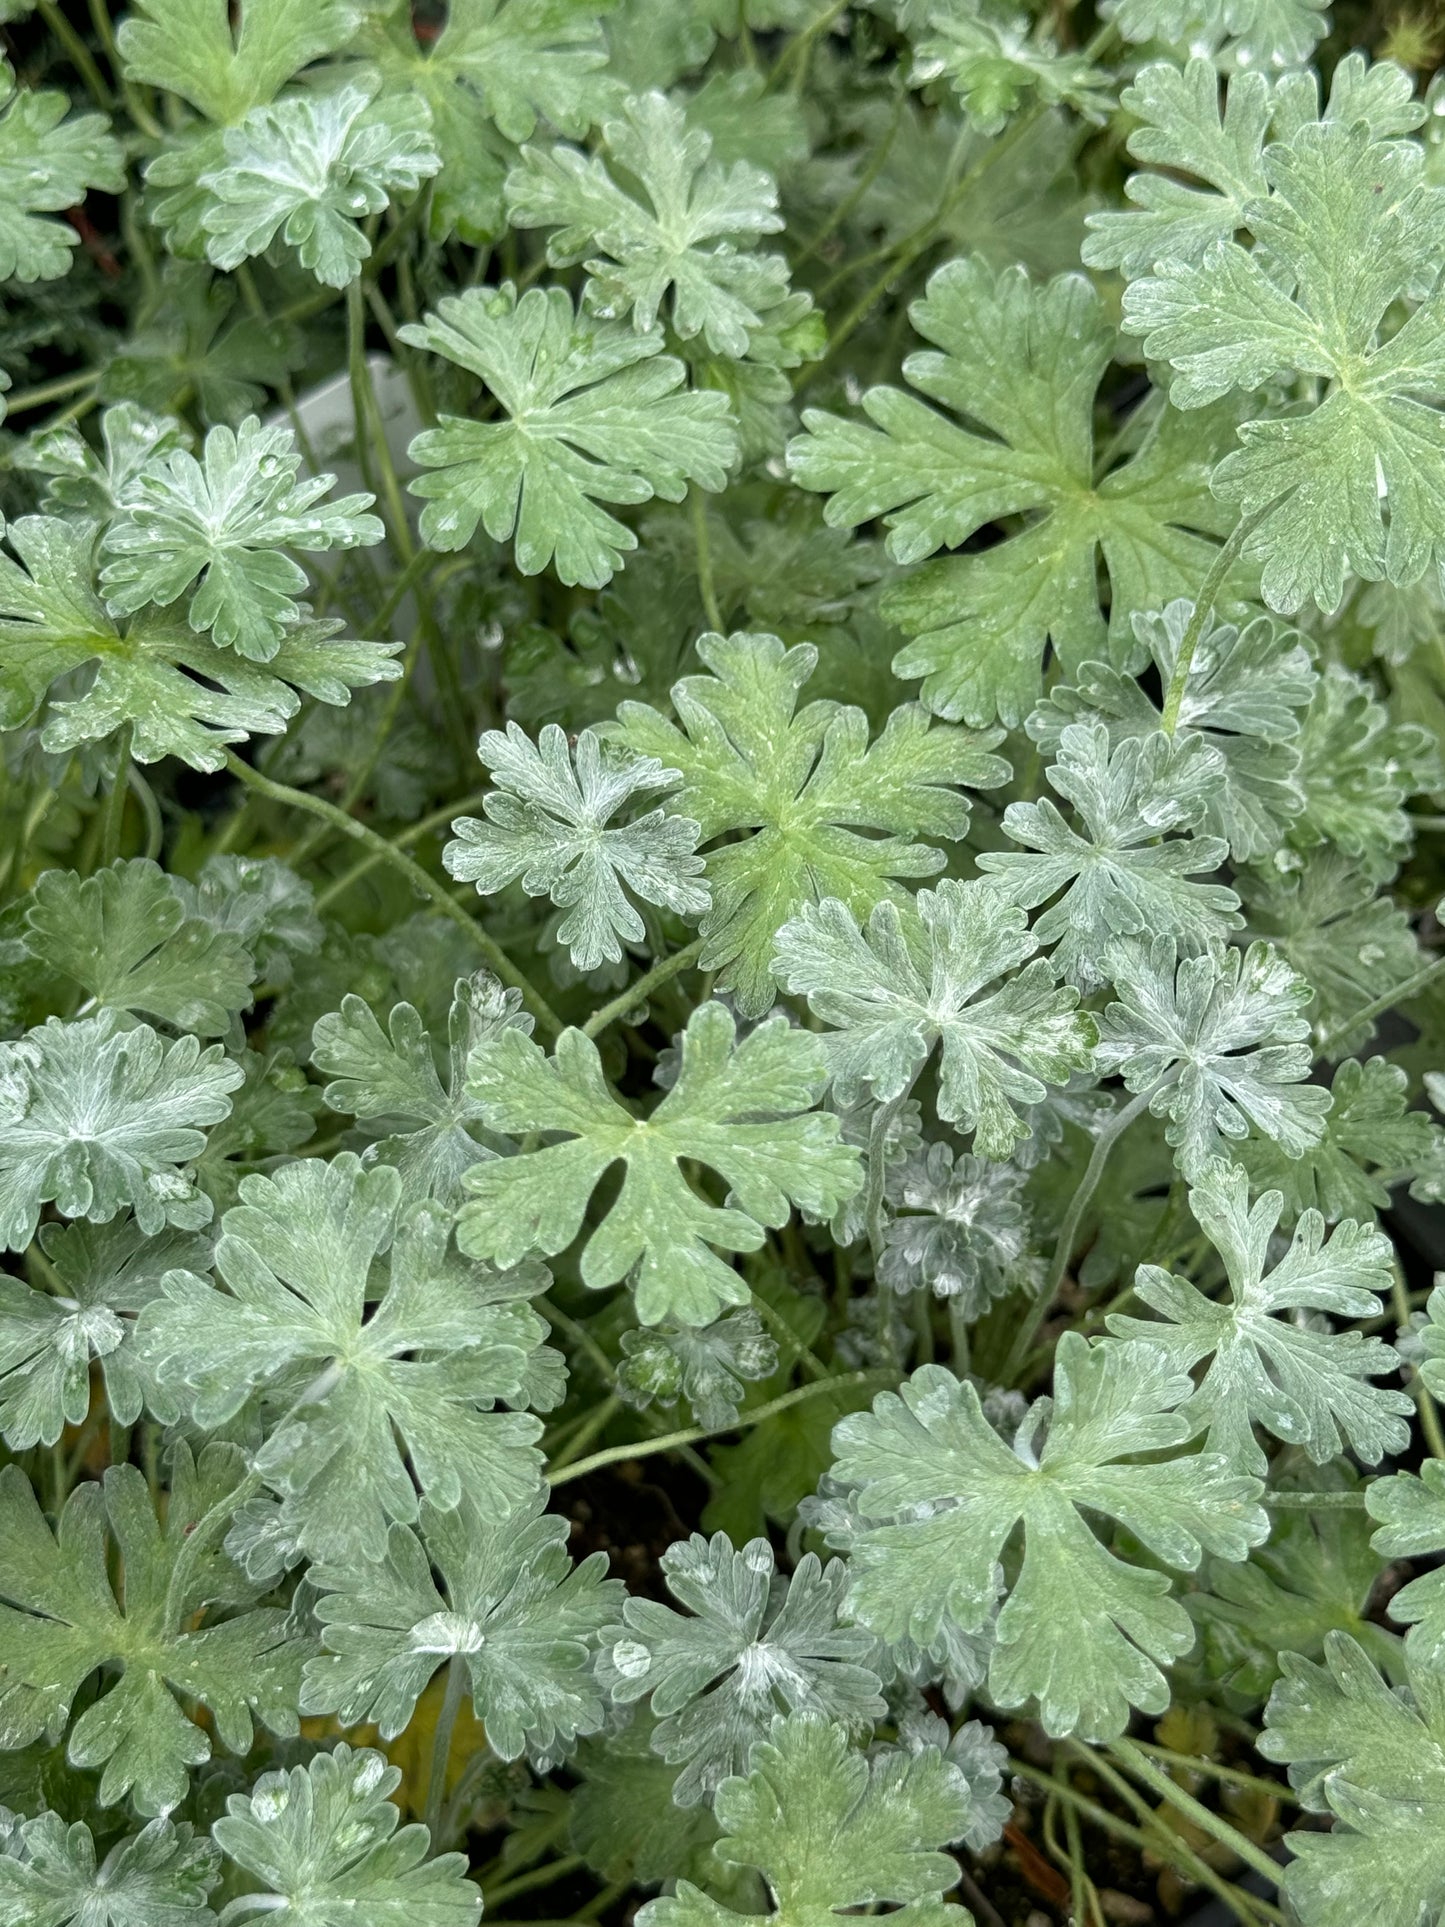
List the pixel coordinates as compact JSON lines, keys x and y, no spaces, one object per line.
{"x":506,"y":1601}
{"x":1358,"y":768}
{"x":960,"y":1228}
{"x":1270,"y":1363}
{"x":830,"y":813}
{"x":64,"y":1619}
{"x":1219,"y":1039}
{"x":588,"y":412}
{"x":940,"y":1498}
{"x":910,"y":983}
{"x":1272,"y":34}
{"x":981,"y":1761}
{"x":710,"y":1366}
{"x":1374,"y":1760}
{"x":97,"y":1114}
{"x":261,"y":901}
{"x":995,"y":64}
{"x":124,"y":935}
{"x":1023,"y":362}
{"x":1244,"y":687}
{"x":100,"y":1277}
{"x":310,"y":168}
{"x":753,"y":1645}
{"x":52,"y":1876}
{"x":1122,"y":874}
{"x":551,"y":825}
{"x":831,"y":1830}
{"x":89,"y":483}
{"x":372,"y":1393}
{"x":741,"y":1108}
{"x":48,"y":159}
{"x":685,"y":230}
{"x":225,"y":66}
{"x":432,"y":1129}
{"x":325,"y":1843}
{"x":229,"y":518}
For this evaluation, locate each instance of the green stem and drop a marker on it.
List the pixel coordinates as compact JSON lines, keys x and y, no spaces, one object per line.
{"x":1214,"y":580}
{"x":535,"y":1877}
{"x":1313,"y":1501}
{"x":1211,"y":1769}
{"x":413,"y":833}
{"x":639,"y":992}
{"x":1069,"y":1230}
{"x":883,"y":1121}
{"x":441,"y":1751}
{"x":150,"y":810}
{"x":1424,"y":1403}
{"x":669,"y":1441}
{"x":112,"y":821}
{"x":792,"y":1345}
{"x":705,"y":582}
{"x":495,"y":957}
{"x":601,"y":1415}
{"x":1159,"y":1782}
{"x":80,"y":55}
{"x":48,"y":391}
{"x":1387,"y":1000}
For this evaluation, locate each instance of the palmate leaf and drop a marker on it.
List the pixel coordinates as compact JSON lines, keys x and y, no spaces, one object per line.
{"x":1248,"y":33}
{"x":1023,"y":363}
{"x":591,"y":412}
{"x":1375,"y":1761}
{"x":832,"y":1832}
{"x":96,"y":1115}
{"x":935,"y":1496}
{"x":742,"y":1109}
{"x":123,"y":934}
{"x":994,"y":65}
{"x":262,"y":903}
{"x":690,"y":238}
{"x":61,"y":1620}
{"x":1358,"y":767}
{"x":48,"y":160}
{"x":226,"y":59}
{"x":101,"y":1276}
{"x":181,"y":695}
{"x":550,"y":824}
{"x":511,"y":1606}
{"x":1307,"y":1386}
{"x":495,"y":70}
{"x":351,"y":1384}
{"x":433,"y":1129}
{"x":1349,"y":227}
{"x":1212,"y":152}
{"x":911,"y":983}
{"x":228,"y":519}
{"x":754,"y":1646}
{"x":1370,"y":1142}
{"x":710,"y":1365}
{"x":805,"y":782}
{"x":52,"y":1876}
{"x":1245,"y":687}
{"x":1218,"y":1039}
{"x":1121,"y":877}
{"x":960,"y":1227}
{"x":1410,"y":1509}
{"x":310,"y":168}
{"x":323,"y":1840}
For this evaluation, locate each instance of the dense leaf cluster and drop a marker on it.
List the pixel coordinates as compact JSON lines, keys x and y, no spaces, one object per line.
{"x":721,"y":1022}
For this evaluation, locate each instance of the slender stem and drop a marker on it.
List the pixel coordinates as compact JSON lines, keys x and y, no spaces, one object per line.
{"x":535,"y":1877}
{"x":669,"y":1441}
{"x":601,"y":1416}
{"x":1143,"y":1768}
{"x":80,"y":54}
{"x":48,"y":391}
{"x":113,"y":818}
{"x":639,"y":992}
{"x":1081,"y":1889}
{"x":441,"y":1750}
{"x":1387,"y":1000}
{"x":1429,"y":1411}
{"x":1069,"y":1230}
{"x":1211,"y":1769}
{"x":705,"y":582}
{"x":150,"y":810}
{"x":495,"y":957}
{"x":1224,"y":560}
{"x":413,"y":833}
{"x":883,"y":1121}
{"x":788,"y":1338}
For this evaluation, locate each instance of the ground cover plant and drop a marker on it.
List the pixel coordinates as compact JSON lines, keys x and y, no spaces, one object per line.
{"x":722,"y":993}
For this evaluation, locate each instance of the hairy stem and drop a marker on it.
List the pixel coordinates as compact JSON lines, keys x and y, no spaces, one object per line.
{"x":635,"y":994}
